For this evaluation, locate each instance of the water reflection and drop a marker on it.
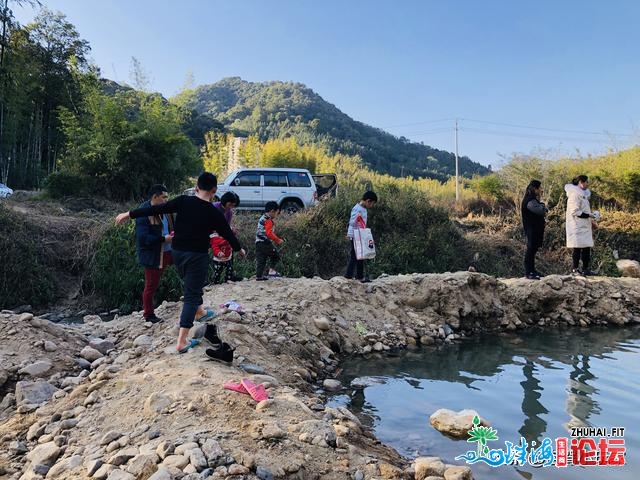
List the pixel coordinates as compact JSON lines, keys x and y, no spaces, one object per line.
{"x":534,"y":426}
{"x":557,"y":377}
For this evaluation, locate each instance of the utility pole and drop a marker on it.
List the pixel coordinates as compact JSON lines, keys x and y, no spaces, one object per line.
{"x":457,"y":182}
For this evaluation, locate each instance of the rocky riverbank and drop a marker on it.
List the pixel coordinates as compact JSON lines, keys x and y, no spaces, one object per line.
{"x":113,"y":400}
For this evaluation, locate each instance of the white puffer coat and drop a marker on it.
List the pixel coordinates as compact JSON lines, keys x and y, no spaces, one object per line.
{"x":579,"y":233}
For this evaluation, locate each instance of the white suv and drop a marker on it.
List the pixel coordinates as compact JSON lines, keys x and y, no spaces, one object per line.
{"x":291,"y":188}
{"x":5,"y":191}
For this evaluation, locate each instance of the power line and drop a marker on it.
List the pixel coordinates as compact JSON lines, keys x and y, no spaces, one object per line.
{"x":534,"y":136}
{"x":420,"y":123}
{"x":511,"y":125}
{"x":583,"y":132}
{"x":427,"y":132}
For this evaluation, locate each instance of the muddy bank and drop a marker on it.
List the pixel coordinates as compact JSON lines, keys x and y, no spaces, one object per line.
{"x":113,"y":399}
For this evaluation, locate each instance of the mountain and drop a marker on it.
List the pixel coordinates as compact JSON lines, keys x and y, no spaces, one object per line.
{"x":287,"y":109}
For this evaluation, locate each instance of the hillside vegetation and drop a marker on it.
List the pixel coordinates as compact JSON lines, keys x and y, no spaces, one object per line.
{"x":279,"y":110}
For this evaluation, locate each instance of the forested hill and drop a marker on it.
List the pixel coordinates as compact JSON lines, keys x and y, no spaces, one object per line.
{"x":282,"y":109}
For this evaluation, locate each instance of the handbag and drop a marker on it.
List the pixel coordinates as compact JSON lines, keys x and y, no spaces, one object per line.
{"x":363,"y":243}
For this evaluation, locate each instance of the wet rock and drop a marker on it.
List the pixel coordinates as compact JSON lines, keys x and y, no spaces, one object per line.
{"x":458,"y":472}
{"x":428,"y":467}
{"x":332,"y":385}
{"x":455,"y":424}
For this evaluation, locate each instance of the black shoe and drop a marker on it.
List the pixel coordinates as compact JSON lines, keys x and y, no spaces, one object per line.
{"x":211,"y":335}
{"x":348,"y":277}
{"x":540,"y":275}
{"x":365,"y":280}
{"x":576,"y":272}
{"x":222,"y":353}
{"x":236,"y":279}
{"x":152,"y":318}
{"x":589,"y":273}
{"x":532,"y":276}
{"x":261,"y":279}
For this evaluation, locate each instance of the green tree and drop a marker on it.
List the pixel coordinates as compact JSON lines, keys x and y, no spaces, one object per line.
{"x":125,"y":142}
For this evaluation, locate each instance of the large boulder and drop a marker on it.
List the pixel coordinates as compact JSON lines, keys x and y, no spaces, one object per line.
{"x":34,"y":393}
{"x":629,"y":268}
{"x":455,"y":424}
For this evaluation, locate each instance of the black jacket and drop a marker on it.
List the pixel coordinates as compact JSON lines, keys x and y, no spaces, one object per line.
{"x":533,"y":212}
{"x":149,"y":238}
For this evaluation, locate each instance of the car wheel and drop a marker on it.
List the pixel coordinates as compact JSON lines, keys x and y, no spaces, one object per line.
{"x":290,"y":207}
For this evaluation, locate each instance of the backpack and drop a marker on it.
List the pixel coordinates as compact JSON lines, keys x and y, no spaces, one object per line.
{"x":220,"y":247}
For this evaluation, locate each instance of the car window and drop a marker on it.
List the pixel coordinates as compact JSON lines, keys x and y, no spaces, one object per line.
{"x":298,"y":179}
{"x":275,"y":179}
{"x":247,"y":180}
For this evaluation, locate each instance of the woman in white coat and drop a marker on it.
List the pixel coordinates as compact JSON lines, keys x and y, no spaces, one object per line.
{"x":579,"y":224}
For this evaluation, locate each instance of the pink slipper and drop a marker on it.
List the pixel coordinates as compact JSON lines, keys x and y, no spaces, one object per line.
{"x":257,"y":392}
{"x":235,"y":387}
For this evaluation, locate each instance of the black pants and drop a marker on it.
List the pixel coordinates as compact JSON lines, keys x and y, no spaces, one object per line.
{"x":530,"y":259}
{"x":354,"y":264}
{"x":584,"y":254}
{"x":264,"y":251}
{"x":192,"y":268}
{"x":222,"y":271}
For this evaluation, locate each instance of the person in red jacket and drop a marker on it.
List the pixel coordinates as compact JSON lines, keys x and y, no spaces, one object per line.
{"x":264,"y":246}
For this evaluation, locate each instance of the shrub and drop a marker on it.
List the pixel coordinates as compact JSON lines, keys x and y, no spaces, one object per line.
{"x":116,"y":276}
{"x":64,"y":184}
{"x":24,"y":276}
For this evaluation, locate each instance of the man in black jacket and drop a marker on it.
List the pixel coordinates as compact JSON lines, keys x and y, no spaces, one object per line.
{"x":533,"y":213}
{"x":153,"y":244}
{"x":196,"y":218}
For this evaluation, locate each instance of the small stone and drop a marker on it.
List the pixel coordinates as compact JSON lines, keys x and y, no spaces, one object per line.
{"x":264,"y":473}
{"x":90,"y":354}
{"x":332,"y":385}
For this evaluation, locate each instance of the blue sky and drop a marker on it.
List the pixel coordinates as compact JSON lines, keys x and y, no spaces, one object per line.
{"x":548,"y":76}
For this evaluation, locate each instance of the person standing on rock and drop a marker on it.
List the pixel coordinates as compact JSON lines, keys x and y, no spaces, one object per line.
{"x":580,"y":222}
{"x":533,"y":213}
{"x":358,"y":219}
{"x":153,"y":244}
{"x":196,"y":218}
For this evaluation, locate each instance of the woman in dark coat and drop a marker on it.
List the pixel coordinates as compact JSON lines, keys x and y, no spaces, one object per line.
{"x":533,"y":213}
